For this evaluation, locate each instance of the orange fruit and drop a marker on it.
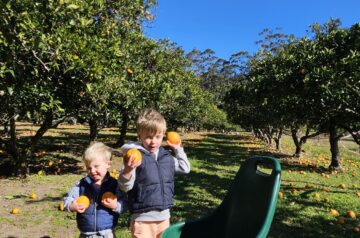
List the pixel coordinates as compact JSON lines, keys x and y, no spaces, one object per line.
{"x":33,"y":196}
{"x":356,"y":229}
{"x":15,"y":210}
{"x":83,"y":200}
{"x":173,"y":137}
{"x":61,"y":206}
{"x":340,"y":220}
{"x":334,"y":212}
{"x":108,"y":195}
{"x":351,"y":214}
{"x":280,"y":195}
{"x":135,"y":155}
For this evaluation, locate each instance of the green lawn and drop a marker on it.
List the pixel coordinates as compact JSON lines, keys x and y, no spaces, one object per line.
{"x":309,"y":190}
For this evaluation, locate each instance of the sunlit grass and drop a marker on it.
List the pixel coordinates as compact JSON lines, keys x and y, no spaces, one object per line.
{"x":309,"y":189}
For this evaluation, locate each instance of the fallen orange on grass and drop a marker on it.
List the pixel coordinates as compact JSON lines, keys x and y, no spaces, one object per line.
{"x":280,"y":195}
{"x":61,"y":206}
{"x":108,"y":195}
{"x":173,"y":137}
{"x":33,"y":196}
{"x":15,"y":210}
{"x":135,"y":155}
{"x":83,"y":200}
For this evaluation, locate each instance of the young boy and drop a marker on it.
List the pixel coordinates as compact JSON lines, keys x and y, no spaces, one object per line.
{"x":150,"y":182}
{"x":101,"y":217}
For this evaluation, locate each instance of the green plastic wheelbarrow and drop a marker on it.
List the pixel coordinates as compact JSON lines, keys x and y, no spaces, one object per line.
{"x":246,"y":211}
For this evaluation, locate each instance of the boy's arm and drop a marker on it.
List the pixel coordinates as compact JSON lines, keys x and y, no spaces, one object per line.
{"x":127,"y":178}
{"x":71,"y":196}
{"x":182,"y":164}
{"x":126,"y":183}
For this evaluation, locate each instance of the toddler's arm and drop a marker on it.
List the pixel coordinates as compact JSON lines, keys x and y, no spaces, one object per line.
{"x":69,"y":201}
{"x":118,"y":204}
{"x":71,"y":196}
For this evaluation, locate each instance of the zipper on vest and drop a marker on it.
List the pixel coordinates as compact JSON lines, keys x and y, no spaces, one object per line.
{"x":161,"y":183}
{"x":95,"y":220}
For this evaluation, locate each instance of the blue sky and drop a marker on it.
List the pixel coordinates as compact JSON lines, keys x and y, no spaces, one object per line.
{"x":230,"y":26}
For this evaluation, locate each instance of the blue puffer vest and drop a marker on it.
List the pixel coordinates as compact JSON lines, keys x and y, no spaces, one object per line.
{"x":154,"y":184}
{"x":97,"y":217}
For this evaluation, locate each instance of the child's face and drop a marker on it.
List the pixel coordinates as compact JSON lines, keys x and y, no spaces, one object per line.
{"x":97,"y":169}
{"x":151,"y":141}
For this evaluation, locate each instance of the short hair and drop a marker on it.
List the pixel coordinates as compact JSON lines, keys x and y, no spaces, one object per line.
{"x":149,"y":120}
{"x":95,"y":150}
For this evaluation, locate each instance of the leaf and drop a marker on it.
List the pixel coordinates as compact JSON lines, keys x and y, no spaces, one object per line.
{"x":88,"y":86}
{"x":9,"y":197}
{"x":10,"y":90}
{"x":11,"y":72}
{"x":72,"y":6}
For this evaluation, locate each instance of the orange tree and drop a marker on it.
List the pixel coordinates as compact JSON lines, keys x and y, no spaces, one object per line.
{"x":52,"y":55}
{"x":308,"y":82}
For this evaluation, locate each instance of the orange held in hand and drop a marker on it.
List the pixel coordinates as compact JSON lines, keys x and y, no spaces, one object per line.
{"x":83,"y":200}
{"x":135,"y":155}
{"x":108,"y":195}
{"x":173,"y":137}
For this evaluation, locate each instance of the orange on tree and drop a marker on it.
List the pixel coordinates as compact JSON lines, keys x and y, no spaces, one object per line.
{"x":334,"y":212}
{"x":340,"y":220}
{"x":108,"y":195}
{"x":135,"y":155}
{"x":173,"y":137}
{"x":351,"y":214}
{"x":83,"y":200}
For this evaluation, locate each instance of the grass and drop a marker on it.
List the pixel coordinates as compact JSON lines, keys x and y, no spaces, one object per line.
{"x":309,"y":189}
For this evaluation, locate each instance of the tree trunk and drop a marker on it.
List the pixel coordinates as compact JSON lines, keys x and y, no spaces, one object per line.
{"x":94,"y":130}
{"x":44,"y":127}
{"x":277,"y":140}
{"x":334,"y":148}
{"x":297,"y":142}
{"x":123,"y":129}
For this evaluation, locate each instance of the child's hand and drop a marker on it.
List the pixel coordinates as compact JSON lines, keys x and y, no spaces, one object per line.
{"x":131,"y":163}
{"x":174,"y":146}
{"x":110,"y":203}
{"x":75,"y":207}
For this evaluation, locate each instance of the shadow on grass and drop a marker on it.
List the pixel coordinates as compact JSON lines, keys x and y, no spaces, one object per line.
{"x":227,"y":152}
{"x":286,"y":224}
{"x":213,"y":156}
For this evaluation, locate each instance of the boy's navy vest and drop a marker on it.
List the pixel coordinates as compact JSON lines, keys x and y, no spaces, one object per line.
{"x":97,"y":217}
{"x":154,"y":183}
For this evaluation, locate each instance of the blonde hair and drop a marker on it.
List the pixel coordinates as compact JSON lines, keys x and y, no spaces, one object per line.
{"x":96,"y":150}
{"x":150,"y":121}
